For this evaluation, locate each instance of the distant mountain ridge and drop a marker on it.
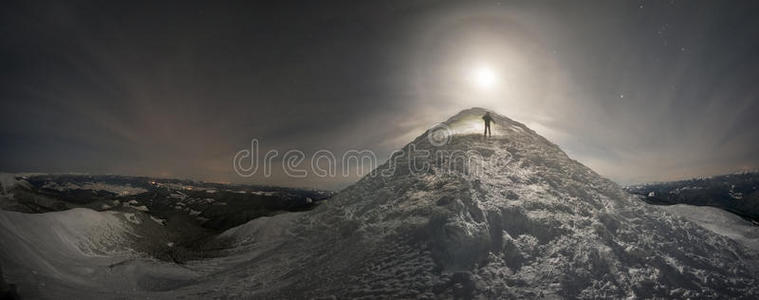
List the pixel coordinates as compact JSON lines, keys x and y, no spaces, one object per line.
{"x":737,"y":193}
{"x":180,"y":212}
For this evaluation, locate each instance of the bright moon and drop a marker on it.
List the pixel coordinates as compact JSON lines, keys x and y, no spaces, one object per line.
{"x":484,"y":77}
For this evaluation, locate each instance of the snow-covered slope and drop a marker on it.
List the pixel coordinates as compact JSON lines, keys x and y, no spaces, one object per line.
{"x":506,"y":217}
{"x":534,"y":223}
{"x":7,"y":181}
{"x":75,"y":254}
{"x":719,"y":221}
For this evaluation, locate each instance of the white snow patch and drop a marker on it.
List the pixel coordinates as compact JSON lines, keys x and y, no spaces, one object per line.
{"x":178,"y":195}
{"x":7,"y":181}
{"x":132,"y":218}
{"x":158,"y":220}
{"x":141,"y":208}
{"x":74,"y":232}
{"x":263,"y":229}
{"x":719,"y":221}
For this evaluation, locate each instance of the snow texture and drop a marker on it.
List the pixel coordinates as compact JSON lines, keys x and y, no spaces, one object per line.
{"x":76,"y":254}
{"x":538,"y":224}
{"x":7,"y":182}
{"x":720,"y":222}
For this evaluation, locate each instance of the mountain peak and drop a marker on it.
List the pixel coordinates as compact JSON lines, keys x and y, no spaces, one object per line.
{"x":494,"y":214}
{"x":512,"y":148}
{"x":469,"y":123}
{"x":500,"y":171}
{"x":450,"y":215}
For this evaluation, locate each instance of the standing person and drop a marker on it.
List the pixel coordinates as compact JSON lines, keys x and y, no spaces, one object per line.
{"x":487,"y":119}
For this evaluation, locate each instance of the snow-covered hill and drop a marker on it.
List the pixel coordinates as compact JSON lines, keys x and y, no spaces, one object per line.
{"x":78,"y":253}
{"x":506,"y":217}
{"x":534,"y":223}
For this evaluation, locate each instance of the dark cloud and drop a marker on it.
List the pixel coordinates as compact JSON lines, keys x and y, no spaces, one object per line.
{"x":638,"y":91}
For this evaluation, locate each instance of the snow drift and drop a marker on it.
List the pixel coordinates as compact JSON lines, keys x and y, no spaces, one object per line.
{"x":78,"y":253}
{"x":719,"y":221}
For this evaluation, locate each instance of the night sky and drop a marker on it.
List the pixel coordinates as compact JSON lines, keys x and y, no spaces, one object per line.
{"x":639,"y":91}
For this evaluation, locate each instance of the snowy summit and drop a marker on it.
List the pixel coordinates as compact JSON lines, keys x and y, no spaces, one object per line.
{"x":511,"y":216}
{"x":541,"y":224}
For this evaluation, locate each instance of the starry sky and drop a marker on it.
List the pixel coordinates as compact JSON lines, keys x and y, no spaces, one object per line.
{"x":639,"y":91}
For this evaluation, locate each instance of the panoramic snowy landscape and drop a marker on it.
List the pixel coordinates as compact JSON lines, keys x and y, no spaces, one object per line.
{"x":535,"y":224}
{"x":393,"y":149}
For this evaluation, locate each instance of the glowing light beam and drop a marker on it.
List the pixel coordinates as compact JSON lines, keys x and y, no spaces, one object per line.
{"x":484,"y":77}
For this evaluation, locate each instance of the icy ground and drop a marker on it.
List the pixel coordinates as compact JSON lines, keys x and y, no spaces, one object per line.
{"x":719,"y":221}
{"x":536,"y":224}
{"x":78,"y":253}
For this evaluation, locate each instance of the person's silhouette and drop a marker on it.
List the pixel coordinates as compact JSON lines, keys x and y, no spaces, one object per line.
{"x":487,"y":119}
